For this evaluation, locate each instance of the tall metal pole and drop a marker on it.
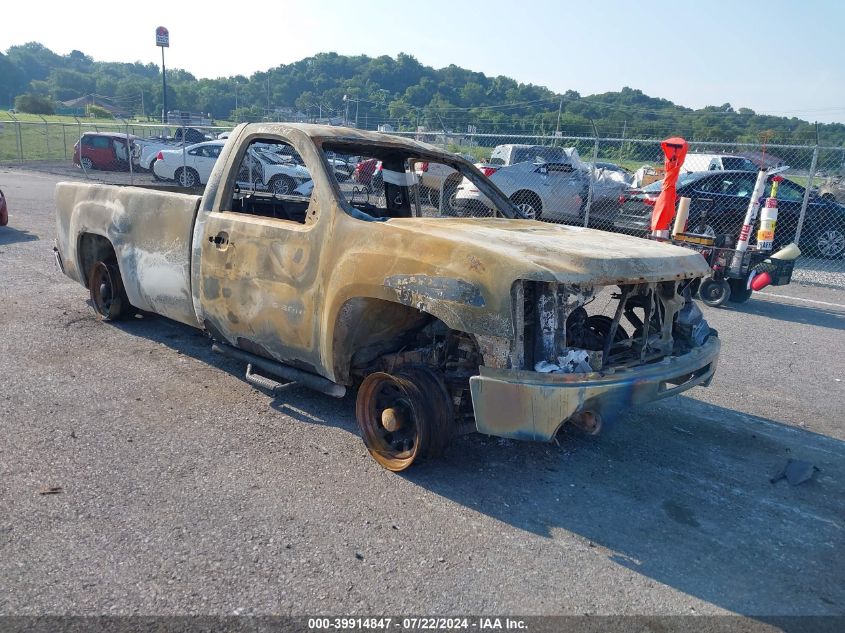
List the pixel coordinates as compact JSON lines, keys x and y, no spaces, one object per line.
{"x":622,"y":147}
{"x":559,"y":108}
{"x":129,"y":154}
{"x":236,"y":102}
{"x":589,"y":202}
{"x":810,"y":176}
{"x":46,"y":134}
{"x":163,"y":90}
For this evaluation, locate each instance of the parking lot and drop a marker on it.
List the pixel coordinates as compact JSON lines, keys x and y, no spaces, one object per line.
{"x":182,"y":489}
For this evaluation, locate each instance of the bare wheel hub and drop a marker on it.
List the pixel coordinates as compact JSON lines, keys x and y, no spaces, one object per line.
{"x":393,"y":419}
{"x":403,"y":416}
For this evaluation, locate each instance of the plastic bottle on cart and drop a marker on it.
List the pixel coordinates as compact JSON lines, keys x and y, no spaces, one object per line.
{"x":768,"y":218}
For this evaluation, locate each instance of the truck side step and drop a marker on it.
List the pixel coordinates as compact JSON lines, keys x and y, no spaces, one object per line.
{"x":304,"y":378}
{"x":262,"y":382}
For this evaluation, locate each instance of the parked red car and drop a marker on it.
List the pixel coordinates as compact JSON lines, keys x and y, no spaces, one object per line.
{"x":107,"y":151}
{"x":4,"y":210}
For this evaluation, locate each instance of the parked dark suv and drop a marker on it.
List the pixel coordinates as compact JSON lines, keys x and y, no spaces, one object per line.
{"x":719,"y":201}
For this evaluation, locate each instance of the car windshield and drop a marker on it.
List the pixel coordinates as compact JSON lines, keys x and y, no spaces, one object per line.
{"x":683,"y":179}
{"x":737,"y":162}
{"x":540,"y":155}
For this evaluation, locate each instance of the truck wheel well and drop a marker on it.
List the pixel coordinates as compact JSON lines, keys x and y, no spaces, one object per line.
{"x":94,"y":248}
{"x":367,"y":329}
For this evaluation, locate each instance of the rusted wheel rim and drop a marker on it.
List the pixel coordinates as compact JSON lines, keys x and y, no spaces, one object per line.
{"x":391,"y":419}
{"x":104,"y":292}
{"x":106,"y":289}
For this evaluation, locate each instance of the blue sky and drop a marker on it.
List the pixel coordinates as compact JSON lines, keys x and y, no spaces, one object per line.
{"x":785,"y":58}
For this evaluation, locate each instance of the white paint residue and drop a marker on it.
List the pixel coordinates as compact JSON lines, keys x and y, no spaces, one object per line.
{"x":164,"y":282}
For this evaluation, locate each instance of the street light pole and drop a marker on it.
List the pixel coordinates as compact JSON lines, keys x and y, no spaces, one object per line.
{"x":347,"y":99}
{"x":559,"y":109}
{"x":163,"y":90}
{"x":163,"y":41}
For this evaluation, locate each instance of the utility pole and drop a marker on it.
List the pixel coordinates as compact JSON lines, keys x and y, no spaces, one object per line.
{"x":559,"y":109}
{"x":622,"y":147}
{"x":268,"y":93}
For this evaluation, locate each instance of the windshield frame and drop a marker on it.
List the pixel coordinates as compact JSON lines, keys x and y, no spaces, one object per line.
{"x":361,"y":147}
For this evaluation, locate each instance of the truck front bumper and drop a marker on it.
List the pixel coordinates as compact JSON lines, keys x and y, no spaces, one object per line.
{"x":528,"y":405}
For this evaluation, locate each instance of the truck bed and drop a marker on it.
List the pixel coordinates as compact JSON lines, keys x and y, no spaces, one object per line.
{"x":151,"y":232}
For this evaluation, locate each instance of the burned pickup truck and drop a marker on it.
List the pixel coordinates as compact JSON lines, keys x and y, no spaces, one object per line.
{"x":443,"y":324}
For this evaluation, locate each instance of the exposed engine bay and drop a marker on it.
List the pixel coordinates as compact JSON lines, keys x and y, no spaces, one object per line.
{"x":574,"y":329}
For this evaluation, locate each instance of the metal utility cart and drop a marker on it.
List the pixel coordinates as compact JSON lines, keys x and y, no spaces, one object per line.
{"x":727,"y":281}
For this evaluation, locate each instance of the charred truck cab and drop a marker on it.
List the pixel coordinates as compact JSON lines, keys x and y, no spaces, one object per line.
{"x":443,"y":322}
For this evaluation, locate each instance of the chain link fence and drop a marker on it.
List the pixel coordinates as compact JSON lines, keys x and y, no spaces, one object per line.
{"x":612,"y":184}
{"x":609,"y":184}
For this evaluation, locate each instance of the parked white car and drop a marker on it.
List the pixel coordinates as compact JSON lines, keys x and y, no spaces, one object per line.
{"x":264,"y":168}
{"x":191,"y":168}
{"x":549,"y":190}
{"x":436,"y":176}
{"x":717,"y":162}
{"x":539,"y":180}
{"x":146,"y":149}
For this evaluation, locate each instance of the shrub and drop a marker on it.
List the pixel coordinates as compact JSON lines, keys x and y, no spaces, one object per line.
{"x":34,"y":104}
{"x":97,"y":112}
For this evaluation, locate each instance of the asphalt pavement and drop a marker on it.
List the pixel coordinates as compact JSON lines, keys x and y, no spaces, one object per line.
{"x":177,"y":488}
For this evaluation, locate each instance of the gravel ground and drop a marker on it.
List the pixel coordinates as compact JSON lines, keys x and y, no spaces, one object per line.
{"x":183,"y":490}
